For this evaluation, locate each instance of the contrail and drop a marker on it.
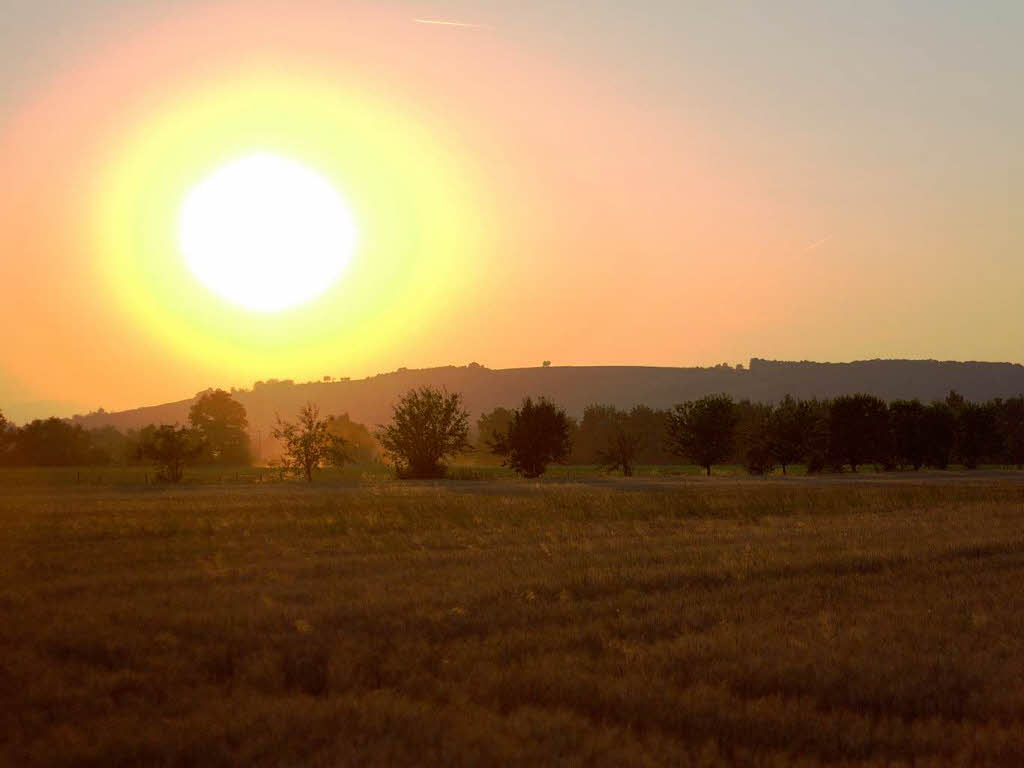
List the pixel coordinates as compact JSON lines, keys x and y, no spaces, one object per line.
{"x":441,"y":23}
{"x":816,"y":245}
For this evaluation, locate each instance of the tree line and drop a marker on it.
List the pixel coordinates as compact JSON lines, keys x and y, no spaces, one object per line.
{"x":847,"y":432}
{"x":431,"y":427}
{"x":216,"y":435}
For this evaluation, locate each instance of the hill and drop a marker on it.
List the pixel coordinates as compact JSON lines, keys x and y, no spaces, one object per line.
{"x":369,"y":400}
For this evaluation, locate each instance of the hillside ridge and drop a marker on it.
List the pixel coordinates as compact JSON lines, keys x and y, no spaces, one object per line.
{"x":369,"y":400}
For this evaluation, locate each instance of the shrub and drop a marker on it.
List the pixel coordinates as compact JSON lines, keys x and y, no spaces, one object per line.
{"x":429,"y":426}
{"x":759,"y":460}
{"x":221,"y":421}
{"x":858,"y":430}
{"x":171,"y":449}
{"x":537,"y":436}
{"x":309,"y":442}
{"x":703,"y":430}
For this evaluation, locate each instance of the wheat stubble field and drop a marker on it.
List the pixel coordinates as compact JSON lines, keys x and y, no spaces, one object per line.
{"x":688,"y":623}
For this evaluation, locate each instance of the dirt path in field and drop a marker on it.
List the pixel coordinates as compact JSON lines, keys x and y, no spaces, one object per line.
{"x":561,"y":478}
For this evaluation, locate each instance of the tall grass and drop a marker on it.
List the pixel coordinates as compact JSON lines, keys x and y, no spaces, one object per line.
{"x":481,"y":623}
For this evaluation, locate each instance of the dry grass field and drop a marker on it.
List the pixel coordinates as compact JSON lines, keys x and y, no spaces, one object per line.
{"x":689,"y":622}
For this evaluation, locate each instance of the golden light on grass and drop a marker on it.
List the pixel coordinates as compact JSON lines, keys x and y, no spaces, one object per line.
{"x":420,"y":620}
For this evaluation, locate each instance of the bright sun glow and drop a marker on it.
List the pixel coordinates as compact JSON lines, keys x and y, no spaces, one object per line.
{"x":266,"y":233}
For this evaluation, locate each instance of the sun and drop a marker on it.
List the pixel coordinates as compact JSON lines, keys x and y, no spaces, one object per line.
{"x":266,"y":233}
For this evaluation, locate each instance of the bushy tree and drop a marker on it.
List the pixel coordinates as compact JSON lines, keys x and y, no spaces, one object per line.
{"x":599,"y":425}
{"x":621,"y":449}
{"x":955,"y":401}
{"x":56,"y":442}
{"x":791,"y":427}
{"x":817,"y":457}
{"x":537,"y":436}
{"x":649,"y":425}
{"x":602,"y":424}
{"x":429,"y":426}
{"x":106,"y":445}
{"x":136,"y":441}
{"x":171,"y":450}
{"x":359,"y":445}
{"x":858,"y":430}
{"x":221,"y":421}
{"x":909,"y":436}
{"x":51,"y":442}
{"x":491,"y":426}
{"x":976,"y":433}
{"x":938,"y":426}
{"x":308,"y":443}
{"x":1011,"y":428}
{"x":7,"y":433}
{"x":703,"y":430}
{"x":751,"y":446}
{"x":759,"y":459}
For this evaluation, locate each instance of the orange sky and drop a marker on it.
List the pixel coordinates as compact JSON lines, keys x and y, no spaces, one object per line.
{"x":563,"y":212}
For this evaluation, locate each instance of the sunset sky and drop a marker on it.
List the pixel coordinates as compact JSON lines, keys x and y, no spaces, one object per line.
{"x":651,"y":183}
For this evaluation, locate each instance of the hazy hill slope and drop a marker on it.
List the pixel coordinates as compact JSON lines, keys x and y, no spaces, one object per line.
{"x":369,"y":400}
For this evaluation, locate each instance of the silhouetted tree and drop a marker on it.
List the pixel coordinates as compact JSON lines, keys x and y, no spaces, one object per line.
{"x":817,"y":456}
{"x":1011,"y":427}
{"x":51,"y":443}
{"x":909,"y":436}
{"x":106,"y":445}
{"x":650,"y":424}
{"x":976,"y":433}
{"x":360,"y":446}
{"x":938,"y":427}
{"x":759,"y":459}
{"x":858,"y":429}
{"x":537,"y":436}
{"x":955,"y":401}
{"x":790,"y":430}
{"x":621,"y":451}
{"x":599,"y":425}
{"x":6,"y":439}
{"x":171,"y":449}
{"x":136,"y":440}
{"x":308,"y":443}
{"x":56,"y":442}
{"x":703,"y":430}
{"x":750,"y":446}
{"x":622,"y":434}
{"x":491,"y":426}
{"x":429,"y":426}
{"x":222,"y":423}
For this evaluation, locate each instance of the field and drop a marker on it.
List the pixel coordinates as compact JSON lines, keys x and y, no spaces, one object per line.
{"x":662,"y":621}
{"x":368,"y":474}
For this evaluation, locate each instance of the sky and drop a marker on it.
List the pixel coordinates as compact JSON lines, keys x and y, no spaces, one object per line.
{"x":591,"y":183}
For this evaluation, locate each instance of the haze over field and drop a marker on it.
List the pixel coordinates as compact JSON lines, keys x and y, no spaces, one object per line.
{"x":370,"y":400}
{"x":666,"y":183}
